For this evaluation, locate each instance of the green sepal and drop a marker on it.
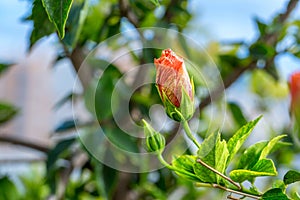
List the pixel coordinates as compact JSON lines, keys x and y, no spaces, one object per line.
{"x":187,"y":104}
{"x":186,"y":108}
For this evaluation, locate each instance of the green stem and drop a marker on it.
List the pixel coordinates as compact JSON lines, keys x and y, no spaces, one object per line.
{"x":188,"y":132}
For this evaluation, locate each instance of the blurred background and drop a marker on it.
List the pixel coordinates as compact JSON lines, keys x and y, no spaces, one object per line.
{"x":254,"y":44}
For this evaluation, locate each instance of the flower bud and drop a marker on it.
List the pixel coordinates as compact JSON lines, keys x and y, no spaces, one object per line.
{"x":174,"y":86}
{"x":155,"y":142}
{"x":295,"y":96}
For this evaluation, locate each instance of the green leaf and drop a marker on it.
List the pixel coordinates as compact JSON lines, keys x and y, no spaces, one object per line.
{"x":216,"y":158}
{"x":262,"y":27}
{"x":61,"y":150}
{"x":264,"y":167}
{"x":58,"y":11}
{"x":261,"y":51}
{"x":279,"y":184}
{"x":41,"y":24}
{"x":251,"y":155}
{"x":7,"y":112}
{"x":8,"y":189}
{"x":237,"y":113}
{"x":257,"y":152}
{"x":185,"y":163}
{"x":74,"y":24}
{"x":291,"y":177}
{"x":110,"y":179}
{"x":274,"y":194}
{"x":208,"y":144}
{"x":54,"y":154}
{"x":65,"y":125}
{"x":4,"y":67}
{"x":266,"y":151}
{"x":155,"y":2}
{"x":238,"y":139}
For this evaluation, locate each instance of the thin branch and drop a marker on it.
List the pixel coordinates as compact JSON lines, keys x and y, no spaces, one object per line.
{"x":219,"y":173}
{"x":24,"y":142}
{"x":235,"y":192}
{"x":244,"y":194}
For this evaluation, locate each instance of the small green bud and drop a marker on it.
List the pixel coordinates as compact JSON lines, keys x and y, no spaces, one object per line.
{"x":154,"y":140}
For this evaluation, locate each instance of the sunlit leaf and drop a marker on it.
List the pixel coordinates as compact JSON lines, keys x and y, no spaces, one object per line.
{"x":185,"y":163}
{"x":237,"y":140}
{"x":271,"y":144}
{"x":74,"y":24}
{"x":58,"y":11}
{"x":214,"y":153}
{"x":264,"y":167}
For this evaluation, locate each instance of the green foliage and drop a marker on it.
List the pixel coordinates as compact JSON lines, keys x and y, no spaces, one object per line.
{"x":41,"y":24}
{"x":58,"y":11}
{"x":237,"y":113}
{"x":8,"y":189}
{"x":4,"y":67}
{"x":274,"y":194}
{"x":265,"y":85}
{"x":65,"y":125}
{"x":238,"y":139}
{"x":155,"y":2}
{"x":54,"y":167}
{"x":253,"y":162}
{"x":216,"y":157}
{"x":83,"y":25}
{"x":264,"y":167}
{"x":7,"y":112}
{"x":291,"y":177}
{"x":186,"y":165}
{"x":75,"y":22}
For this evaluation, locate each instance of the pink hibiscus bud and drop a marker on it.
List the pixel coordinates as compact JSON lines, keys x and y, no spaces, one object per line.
{"x":295,"y":96}
{"x":174,"y":86}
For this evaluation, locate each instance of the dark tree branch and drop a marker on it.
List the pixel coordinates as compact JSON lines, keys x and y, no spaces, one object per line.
{"x":84,"y":72}
{"x":270,"y":39}
{"x":24,"y":142}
